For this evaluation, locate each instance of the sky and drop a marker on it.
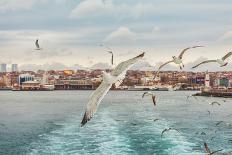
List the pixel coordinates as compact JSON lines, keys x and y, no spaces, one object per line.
{"x":71,"y":31}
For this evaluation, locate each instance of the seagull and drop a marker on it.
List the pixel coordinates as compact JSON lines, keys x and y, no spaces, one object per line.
{"x":177,"y":60}
{"x":37,"y":45}
{"x":221,"y":61}
{"x":207,"y":150}
{"x":114,"y":77}
{"x":192,"y":96}
{"x":133,"y":124}
{"x":155,"y":119}
{"x":218,"y":123}
{"x":212,"y":138}
{"x":214,"y":102}
{"x":152,"y":95}
{"x":203,"y":133}
{"x":165,"y":130}
{"x":209,"y":112}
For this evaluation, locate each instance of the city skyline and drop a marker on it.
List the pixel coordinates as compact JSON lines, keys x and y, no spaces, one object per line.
{"x":128,"y":27}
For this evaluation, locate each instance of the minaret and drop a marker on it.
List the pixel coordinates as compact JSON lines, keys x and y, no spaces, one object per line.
{"x":207,"y":81}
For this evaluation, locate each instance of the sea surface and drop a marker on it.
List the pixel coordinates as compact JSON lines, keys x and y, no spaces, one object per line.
{"x":47,"y":123}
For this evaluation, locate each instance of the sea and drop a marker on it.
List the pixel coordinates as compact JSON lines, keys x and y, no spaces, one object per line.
{"x":48,"y":123}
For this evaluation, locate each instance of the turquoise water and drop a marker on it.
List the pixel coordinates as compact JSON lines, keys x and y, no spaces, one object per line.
{"x":49,"y":123}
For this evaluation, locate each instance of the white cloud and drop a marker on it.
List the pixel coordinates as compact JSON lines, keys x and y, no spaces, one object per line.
{"x":93,"y":8}
{"x":101,"y":66}
{"x":15,"y":5}
{"x":155,"y":29}
{"x":226,"y":36}
{"x":121,"y":35}
{"x":50,"y":66}
{"x":12,"y":5}
{"x":90,"y":8}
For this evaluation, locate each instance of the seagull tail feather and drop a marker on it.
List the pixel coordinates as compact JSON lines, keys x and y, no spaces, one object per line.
{"x":85,"y":119}
{"x":141,"y":55}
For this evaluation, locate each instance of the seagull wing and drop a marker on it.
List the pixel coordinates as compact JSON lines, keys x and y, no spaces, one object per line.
{"x":215,"y":103}
{"x":207,"y":61}
{"x":146,"y":93}
{"x":161,"y":66}
{"x":121,"y":69}
{"x":153,"y":99}
{"x":175,"y":130}
{"x":184,"y":50}
{"x":227,"y":56}
{"x":94,"y":101}
{"x":219,"y":123}
{"x":163,"y":132}
{"x":37,"y":43}
{"x":216,"y":151}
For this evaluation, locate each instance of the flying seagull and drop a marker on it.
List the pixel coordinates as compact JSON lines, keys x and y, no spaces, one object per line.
{"x":177,"y":60}
{"x":114,"y":77}
{"x":218,"y":123}
{"x":37,"y":45}
{"x":152,"y":96}
{"x":214,"y":102}
{"x":221,"y":61}
{"x":209,"y":112}
{"x":192,"y":96}
{"x":208,"y":152}
{"x":155,"y":119}
{"x":165,"y":130}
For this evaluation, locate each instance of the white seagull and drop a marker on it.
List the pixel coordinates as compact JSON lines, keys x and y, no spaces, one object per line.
{"x":37,"y":45}
{"x":114,"y":77}
{"x":177,"y":60}
{"x":152,"y":96}
{"x":221,"y":61}
{"x":214,"y":102}
{"x":208,"y":152}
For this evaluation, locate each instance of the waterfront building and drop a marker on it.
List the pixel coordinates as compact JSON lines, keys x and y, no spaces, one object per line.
{"x":73,"y":84}
{"x":3,"y":68}
{"x":200,"y":80}
{"x":25,"y":78}
{"x":14,"y":67}
{"x":222,"y":82}
{"x":30,"y":85}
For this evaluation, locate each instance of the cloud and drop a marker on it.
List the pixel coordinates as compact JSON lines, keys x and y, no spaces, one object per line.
{"x":50,"y":66}
{"x":90,"y":8}
{"x":226,"y":36}
{"x":13,"y":5}
{"x":143,"y":66}
{"x":16,"y":5}
{"x":101,"y":8}
{"x":102,"y":66}
{"x":155,"y":29}
{"x":122,"y":35}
